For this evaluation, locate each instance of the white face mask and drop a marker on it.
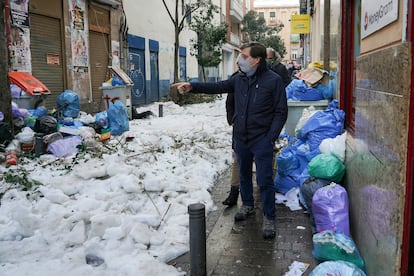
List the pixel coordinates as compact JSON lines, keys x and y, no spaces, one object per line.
{"x":244,"y":65}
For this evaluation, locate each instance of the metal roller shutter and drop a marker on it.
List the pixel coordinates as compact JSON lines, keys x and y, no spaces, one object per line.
{"x":99,"y":59}
{"x":46,"y":41}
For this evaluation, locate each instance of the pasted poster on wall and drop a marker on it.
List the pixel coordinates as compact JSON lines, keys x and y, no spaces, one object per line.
{"x":79,"y":35}
{"x":20,"y":57}
{"x":115,"y":53}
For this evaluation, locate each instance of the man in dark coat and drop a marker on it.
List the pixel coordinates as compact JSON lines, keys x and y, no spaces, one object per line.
{"x":260,"y":114}
{"x":274,"y":61}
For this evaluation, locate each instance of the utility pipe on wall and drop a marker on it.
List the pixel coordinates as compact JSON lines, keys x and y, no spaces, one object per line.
{"x":326,"y":33}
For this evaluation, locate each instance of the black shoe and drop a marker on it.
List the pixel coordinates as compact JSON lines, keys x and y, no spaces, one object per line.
{"x":231,"y":200}
{"x":244,"y":212}
{"x":269,"y":231}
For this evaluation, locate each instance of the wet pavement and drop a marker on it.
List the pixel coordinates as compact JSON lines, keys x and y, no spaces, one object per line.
{"x":238,"y":248}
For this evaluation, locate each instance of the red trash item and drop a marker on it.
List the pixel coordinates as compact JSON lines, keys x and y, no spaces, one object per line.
{"x":28,"y":83}
{"x":11,"y":158}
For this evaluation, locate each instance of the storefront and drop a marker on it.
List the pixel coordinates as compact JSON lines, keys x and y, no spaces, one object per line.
{"x":376,"y":92}
{"x":67,"y":44}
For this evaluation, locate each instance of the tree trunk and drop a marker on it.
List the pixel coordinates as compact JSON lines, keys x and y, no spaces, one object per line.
{"x":5,"y":96}
{"x":173,"y":91}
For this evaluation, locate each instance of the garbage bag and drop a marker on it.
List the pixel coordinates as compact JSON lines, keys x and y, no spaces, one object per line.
{"x":287,"y":160}
{"x":327,"y":123}
{"x":336,"y":268}
{"x":40,"y":111}
{"x":330,"y":208}
{"x":335,"y":145}
{"x":101,"y":119}
{"x":298,"y":90}
{"x":284,"y":183}
{"x":327,"y":166}
{"x":117,"y":118}
{"x":331,"y":246}
{"x":45,"y":124}
{"x":68,"y":103}
{"x":65,"y":147}
{"x":306,"y":191}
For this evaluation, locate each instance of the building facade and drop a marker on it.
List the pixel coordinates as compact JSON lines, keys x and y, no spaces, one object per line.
{"x":151,"y":46}
{"x":67,"y":44}
{"x":274,"y":14}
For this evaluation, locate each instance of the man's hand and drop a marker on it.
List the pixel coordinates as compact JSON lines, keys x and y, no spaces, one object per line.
{"x":182,"y":87}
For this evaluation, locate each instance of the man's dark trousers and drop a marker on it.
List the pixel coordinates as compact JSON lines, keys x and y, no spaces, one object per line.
{"x":262,"y":154}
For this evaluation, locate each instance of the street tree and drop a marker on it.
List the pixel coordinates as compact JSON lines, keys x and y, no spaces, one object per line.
{"x":180,"y":16}
{"x":210,"y":38}
{"x":255,"y":29}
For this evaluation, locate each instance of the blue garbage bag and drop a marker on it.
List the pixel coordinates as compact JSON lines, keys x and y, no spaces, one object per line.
{"x":101,"y":118}
{"x":298,"y":90}
{"x":68,"y":103}
{"x":327,"y":123}
{"x":292,"y":164}
{"x":287,"y":160}
{"x":284,"y":183}
{"x":117,"y":118}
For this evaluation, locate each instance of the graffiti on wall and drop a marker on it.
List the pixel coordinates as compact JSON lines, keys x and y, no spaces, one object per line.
{"x":20,"y":56}
{"x":78,"y":36}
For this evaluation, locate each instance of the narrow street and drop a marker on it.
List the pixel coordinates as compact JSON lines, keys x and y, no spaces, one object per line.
{"x":239,"y":249}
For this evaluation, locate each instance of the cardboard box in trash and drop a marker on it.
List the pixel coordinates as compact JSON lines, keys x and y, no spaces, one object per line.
{"x":313,"y":76}
{"x":119,"y":92}
{"x":122,"y":75}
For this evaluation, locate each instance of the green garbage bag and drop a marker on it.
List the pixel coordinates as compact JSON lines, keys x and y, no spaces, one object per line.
{"x":327,"y":166}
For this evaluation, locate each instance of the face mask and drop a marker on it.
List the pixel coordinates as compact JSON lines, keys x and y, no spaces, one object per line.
{"x":269,"y":61}
{"x":243,"y":64}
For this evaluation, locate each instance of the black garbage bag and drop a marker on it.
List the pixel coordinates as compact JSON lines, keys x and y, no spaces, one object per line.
{"x":45,"y":124}
{"x":307,"y":190}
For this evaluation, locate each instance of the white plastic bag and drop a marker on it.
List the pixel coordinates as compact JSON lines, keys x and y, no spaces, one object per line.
{"x":65,"y":147}
{"x":334,"y":145}
{"x":306,"y":114}
{"x":26,"y":135}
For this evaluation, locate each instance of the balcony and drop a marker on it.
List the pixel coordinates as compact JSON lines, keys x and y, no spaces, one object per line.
{"x":236,"y":10}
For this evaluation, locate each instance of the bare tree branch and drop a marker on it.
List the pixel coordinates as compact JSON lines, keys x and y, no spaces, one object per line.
{"x":168,"y":11}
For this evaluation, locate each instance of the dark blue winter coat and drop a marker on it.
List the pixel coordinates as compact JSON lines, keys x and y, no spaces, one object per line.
{"x":259,"y":101}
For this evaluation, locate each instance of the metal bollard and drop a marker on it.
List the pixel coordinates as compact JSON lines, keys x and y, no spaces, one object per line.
{"x":39,"y":146}
{"x":160,"y":110}
{"x":198,"y":265}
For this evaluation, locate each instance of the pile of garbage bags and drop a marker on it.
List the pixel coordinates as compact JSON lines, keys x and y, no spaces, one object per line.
{"x":312,"y":84}
{"x":314,"y":163}
{"x":61,"y":131}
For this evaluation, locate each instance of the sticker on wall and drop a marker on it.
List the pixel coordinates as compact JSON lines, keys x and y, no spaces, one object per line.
{"x":20,"y":56}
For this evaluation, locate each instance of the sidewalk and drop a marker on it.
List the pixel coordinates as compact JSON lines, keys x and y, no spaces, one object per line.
{"x":239,"y":249}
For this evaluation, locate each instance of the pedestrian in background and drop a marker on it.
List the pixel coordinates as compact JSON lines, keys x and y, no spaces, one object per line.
{"x":260,"y":114}
{"x":274,"y":59}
